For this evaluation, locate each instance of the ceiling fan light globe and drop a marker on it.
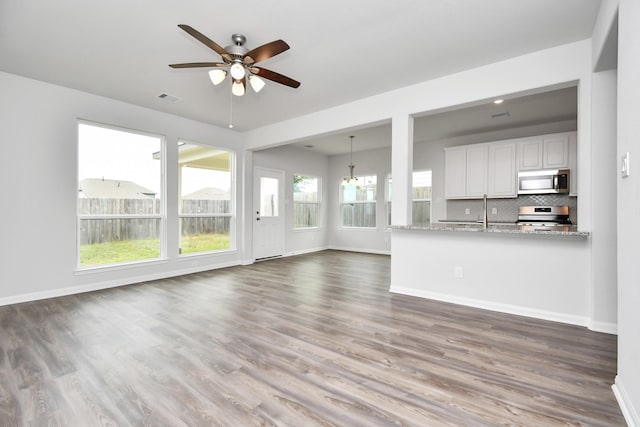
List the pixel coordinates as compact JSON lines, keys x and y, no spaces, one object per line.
{"x":237,"y":71}
{"x":256,"y":83}
{"x":237,"y":88}
{"x":217,"y":76}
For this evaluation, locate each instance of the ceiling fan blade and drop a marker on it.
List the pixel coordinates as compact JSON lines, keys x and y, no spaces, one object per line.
{"x":199,"y":65}
{"x":206,"y":41}
{"x":276,"y":77}
{"x":265,"y":51}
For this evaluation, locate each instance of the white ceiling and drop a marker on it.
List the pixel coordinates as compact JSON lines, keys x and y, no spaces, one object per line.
{"x":340,"y":51}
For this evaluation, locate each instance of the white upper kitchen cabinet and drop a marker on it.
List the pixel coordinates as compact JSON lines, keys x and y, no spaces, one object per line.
{"x":502,"y":171}
{"x":555,"y":151}
{"x":530,"y":154}
{"x":466,"y":172}
{"x":455,"y":166}
{"x":547,"y":152}
{"x":477,"y":158}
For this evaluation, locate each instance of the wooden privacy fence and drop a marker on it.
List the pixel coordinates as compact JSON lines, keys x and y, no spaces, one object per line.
{"x":101,"y":230}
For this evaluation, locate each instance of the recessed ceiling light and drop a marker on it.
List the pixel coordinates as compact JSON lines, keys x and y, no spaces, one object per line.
{"x":498,"y":101}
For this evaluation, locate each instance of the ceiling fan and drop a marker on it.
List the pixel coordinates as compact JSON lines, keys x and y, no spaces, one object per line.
{"x":240,"y":62}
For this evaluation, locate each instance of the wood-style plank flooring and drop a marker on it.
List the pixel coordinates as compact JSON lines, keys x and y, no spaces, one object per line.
{"x":311,"y":340}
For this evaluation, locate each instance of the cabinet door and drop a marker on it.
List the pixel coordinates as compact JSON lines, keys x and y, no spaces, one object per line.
{"x":530,"y":154}
{"x":477,"y":158}
{"x":502,"y":170}
{"x":455,"y":170}
{"x":556,"y":152}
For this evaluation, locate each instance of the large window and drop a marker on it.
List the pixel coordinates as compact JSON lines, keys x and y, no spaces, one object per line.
{"x":306,"y":201}
{"x":358,"y":202}
{"x":120,"y":194}
{"x":206,"y":198}
{"x":421,"y":193}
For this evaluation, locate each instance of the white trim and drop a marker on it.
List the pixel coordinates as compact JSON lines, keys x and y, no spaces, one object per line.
{"x":363,"y":250}
{"x":605,"y":327}
{"x":493,"y":306}
{"x":97,"y":269}
{"x":306,"y":251}
{"x":626,"y":406}
{"x":72,"y":290}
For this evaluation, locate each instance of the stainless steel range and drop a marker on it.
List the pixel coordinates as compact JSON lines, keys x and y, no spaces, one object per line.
{"x":544,"y":218}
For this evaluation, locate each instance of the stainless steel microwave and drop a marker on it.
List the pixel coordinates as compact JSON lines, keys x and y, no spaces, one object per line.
{"x":547,"y":181}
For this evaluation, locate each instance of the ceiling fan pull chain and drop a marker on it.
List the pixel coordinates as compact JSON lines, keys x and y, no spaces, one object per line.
{"x":230,"y":110}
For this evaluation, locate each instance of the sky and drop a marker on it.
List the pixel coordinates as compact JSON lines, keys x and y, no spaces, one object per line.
{"x":126,"y":156}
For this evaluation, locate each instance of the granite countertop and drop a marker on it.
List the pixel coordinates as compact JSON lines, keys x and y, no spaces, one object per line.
{"x":502,"y":228}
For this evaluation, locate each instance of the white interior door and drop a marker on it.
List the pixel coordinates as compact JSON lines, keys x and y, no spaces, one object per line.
{"x":268,"y":223}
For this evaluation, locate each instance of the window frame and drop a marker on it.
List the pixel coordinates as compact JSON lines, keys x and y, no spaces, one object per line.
{"x":318,"y":203}
{"x":388,"y":194}
{"x":414,"y":200}
{"x":232,"y":210}
{"x":355,"y":202}
{"x":161,"y":215}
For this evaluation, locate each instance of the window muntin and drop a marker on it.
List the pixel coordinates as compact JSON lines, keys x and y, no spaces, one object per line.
{"x":421,"y":198}
{"x":120,"y":196}
{"x":206,"y":198}
{"x":306,"y":201}
{"x":358,"y":202}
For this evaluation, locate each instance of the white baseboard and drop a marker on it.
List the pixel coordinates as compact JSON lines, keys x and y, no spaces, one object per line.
{"x":363,"y":250}
{"x":626,"y":406}
{"x":306,"y":251}
{"x":605,"y":327}
{"x":72,"y":290}
{"x":493,"y":306}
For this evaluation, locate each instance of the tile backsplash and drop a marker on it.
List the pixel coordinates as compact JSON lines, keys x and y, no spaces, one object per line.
{"x":507,"y":209}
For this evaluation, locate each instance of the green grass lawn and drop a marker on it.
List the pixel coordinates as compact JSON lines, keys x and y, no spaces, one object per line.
{"x":136,"y":250}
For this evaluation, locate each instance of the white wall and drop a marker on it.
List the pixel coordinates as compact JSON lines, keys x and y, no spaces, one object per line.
{"x":370,"y":162}
{"x":39,"y":188}
{"x":603,"y":174}
{"x":628,"y":379}
{"x":296,"y":161}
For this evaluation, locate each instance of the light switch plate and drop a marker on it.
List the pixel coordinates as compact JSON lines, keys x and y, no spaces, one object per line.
{"x":625,"y":165}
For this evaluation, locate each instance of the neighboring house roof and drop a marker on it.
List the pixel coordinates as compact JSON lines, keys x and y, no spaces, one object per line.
{"x":101,"y":188}
{"x":208,"y":193}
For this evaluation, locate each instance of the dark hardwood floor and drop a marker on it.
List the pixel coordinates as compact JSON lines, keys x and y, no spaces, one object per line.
{"x":311,"y":340}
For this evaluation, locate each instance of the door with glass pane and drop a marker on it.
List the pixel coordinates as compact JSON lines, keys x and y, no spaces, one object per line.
{"x":268,"y":224}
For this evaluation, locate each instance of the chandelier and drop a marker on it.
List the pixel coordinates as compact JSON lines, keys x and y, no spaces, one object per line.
{"x":350,"y":180}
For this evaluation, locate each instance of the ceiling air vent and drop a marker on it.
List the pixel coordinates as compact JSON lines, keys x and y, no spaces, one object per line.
{"x":502,"y":114}
{"x":169,"y":98}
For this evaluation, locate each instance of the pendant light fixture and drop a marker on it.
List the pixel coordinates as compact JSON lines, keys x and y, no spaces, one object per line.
{"x":350,"y":180}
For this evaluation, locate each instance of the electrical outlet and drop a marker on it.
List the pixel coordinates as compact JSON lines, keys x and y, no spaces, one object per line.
{"x":494,"y":211}
{"x":458,"y":272}
{"x":467,"y":211}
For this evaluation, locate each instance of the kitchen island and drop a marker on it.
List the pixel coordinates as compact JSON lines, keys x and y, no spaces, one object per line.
{"x":505,"y":267}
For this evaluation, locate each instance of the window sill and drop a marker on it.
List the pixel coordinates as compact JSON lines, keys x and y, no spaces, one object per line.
{"x":207,"y":254}
{"x":115,"y":267}
{"x":302,"y":230}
